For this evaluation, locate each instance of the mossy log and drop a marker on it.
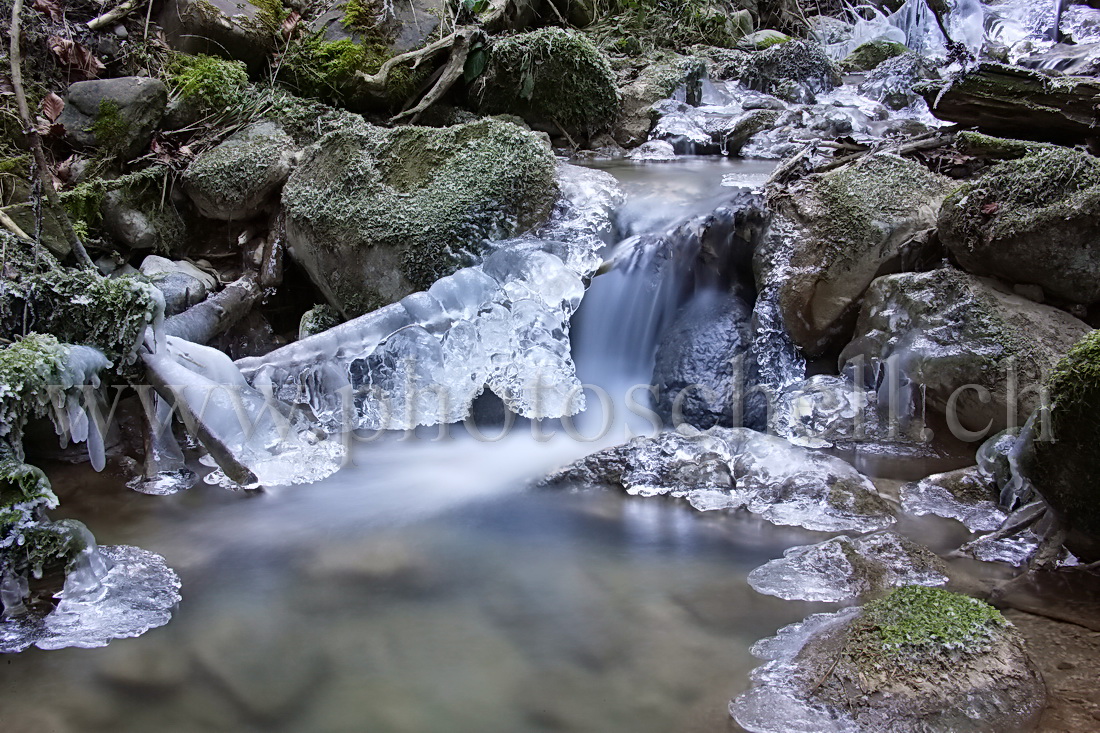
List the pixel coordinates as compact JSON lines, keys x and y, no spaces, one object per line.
{"x":1020,"y":103}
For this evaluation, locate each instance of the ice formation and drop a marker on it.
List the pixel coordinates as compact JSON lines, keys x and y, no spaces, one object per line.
{"x":733,"y":468}
{"x":843,"y":568}
{"x":112,"y":592}
{"x":966,"y":495}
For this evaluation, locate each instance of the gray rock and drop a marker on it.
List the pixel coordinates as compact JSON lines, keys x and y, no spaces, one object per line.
{"x":1034,"y":221}
{"x":966,"y":494}
{"x":137,"y":213}
{"x":116,"y":115}
{"x":235,"y":29}
{"x":835,"y":233}
{"x":410,"y":25}
{"x":182,"y":284}
{"x":794,"y":71}
{"x":654,"y":78}
{"x":826,"y":29}
{"x":944,"y":330}
{"x":892,"y":81}
{"x":703,"y":367}
{"x":239,"y":178}
{"x":375,"y":214}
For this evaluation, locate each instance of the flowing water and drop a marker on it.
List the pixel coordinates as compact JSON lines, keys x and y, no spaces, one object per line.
{"x":426,"y":587}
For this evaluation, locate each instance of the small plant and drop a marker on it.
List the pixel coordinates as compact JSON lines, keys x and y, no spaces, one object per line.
{"x":209,"y":81}
{"x":109,"y":127}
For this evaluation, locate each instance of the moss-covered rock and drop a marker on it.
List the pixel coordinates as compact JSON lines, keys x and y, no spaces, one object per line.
{"x":555,"y":79}
{"x":649,"y":80}
{"x":795,"y":71}
{"x":836,"y":233}
{"x":117,"y":116}
{"x":138,"y":210}
{"x":762,"y":39}
{"x":400,"y":27}
{"x":978,"y":354}
{"x":29,"y":543}
{"x":892,"y":81}
{"x":871,"y":54}
{"x":1033,"y":221}
{"x":318,"y":319}
{"x":236,"y":179}
{"x":375,"y":214}
{"x":1063,"y":464}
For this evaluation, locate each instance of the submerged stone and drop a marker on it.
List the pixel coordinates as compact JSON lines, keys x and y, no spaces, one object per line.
{"x":965,"y":494}
{"x":376,"y":214}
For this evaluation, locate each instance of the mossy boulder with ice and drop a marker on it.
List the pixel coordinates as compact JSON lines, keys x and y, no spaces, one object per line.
{"x":836,"y":232}
{"x":979,"y":353}
{"x":795,"y":71}
{"x":891,"y":82}
{"x":1064,"y":468}
{"x":871,"y":54}
{"x":375,"y":214}
{"x":652,"y":78}
{"x":30,"y":545}
{"x":555,"y":79}
{"x":236,"y":179}
{"x":1033,"y":221}
{"x":918,"y":659}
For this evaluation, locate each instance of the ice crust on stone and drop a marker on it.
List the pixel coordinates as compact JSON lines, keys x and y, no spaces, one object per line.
{"x":934,"y":495}
{"x":844,"y":568}
{"x":733,"y":468}
{"x":114,"y":592}
{"x":824,"y":410}
{"x":502,"y":324}
{"x":777,"y":703}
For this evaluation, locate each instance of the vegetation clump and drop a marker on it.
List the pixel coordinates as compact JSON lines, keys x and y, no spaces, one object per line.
{"x":110,"y":128}
{"x":553,"y":78}
{"x":209,"y":81}
{"x":871,"y":54}
{"x":329,"y":70}
{"x":635,"y":27}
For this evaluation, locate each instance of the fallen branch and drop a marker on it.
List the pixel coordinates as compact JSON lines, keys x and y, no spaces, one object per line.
{"x":203,"y":322}
{"x":928,"y":141}
{"x":35,"y":140}
{"x":452,"y":72}
{"x":12,"y":227}
{"x":112,"y":15}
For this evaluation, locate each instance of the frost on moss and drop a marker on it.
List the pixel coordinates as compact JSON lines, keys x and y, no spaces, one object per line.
{"x":775,"y":69}
{"x":553,"y":78}
{"x":208,"y":81}
{"x":915,"y":628}
{"x":235,"y":179}
{"x":376,"y":213}
{"x":81,"y":307}
{"x":28,"y":541}
{"x":871,"y":54}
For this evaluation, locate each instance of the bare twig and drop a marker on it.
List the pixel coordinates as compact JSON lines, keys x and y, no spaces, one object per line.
{"x":12,"y":227}
{"x":452,"y":72}
{"x":112,"y":15}
{"x":35,"y":141}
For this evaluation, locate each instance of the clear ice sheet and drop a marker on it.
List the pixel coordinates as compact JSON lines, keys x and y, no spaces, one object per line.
{"x":930,"y":496}
{"x":824,"y":572}
{"x":137,"y":592}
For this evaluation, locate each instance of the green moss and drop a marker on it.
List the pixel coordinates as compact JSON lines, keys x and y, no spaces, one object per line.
{"x":111,"y":130}
{"x":209,"y":81}
{"x":329,"y":70}
{"x":972,"y":142}
{"x":27,"y":368}
{"x":141,"y":191}
{"x":271,"y":15}
{"x":550,"y":76}
{"x":850,"y":496}
{"x":871,"y":54}
{"x":915,"y":627}
{"x":358,"y":14}
{"x":29,"y":542}
{"x":318,"y":319}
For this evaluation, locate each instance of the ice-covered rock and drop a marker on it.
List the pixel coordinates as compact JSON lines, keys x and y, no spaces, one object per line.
{"x":966,"y":495}
{"x":919,"y":659}
{"x":738,"y":468}
{"x":843,"y":568}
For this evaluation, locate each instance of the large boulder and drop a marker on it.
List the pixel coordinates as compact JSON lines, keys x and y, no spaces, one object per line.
{"x":657,"y":77}
{"x":835,"y":233}
{"x":402,"y":27}
{"x":245,"y":30}
{"x":1033,"y":221}
{"x":703,"y":363}
{"x":236,"y":179}
{"x":1063,"y":461}
{"x":795,"y":71}
{"x":920,"y":659}
{"x":978,"y":354}
{"x":374,"y":214}
{"x":555,"y":79}
{"x":892,"y":81}
{"x":118,"y":116}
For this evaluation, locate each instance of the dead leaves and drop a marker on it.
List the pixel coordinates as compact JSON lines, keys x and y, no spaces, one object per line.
{"x":50,"y":8}
{"x":52,"y":106}
{"x":290,"y":24}
{"x":991,"y":208}
{"x":80,"y":61}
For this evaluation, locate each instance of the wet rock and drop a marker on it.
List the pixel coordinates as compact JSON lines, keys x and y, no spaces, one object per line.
{"x":661,"y":76}
{"x":794,"y":71}
{"x":1035,"y":221}
{"x":182,"y":284}
{"x":730,"y":468}
{"x":556,"y":80}
{"x":703,"y":368}
{"x":965,"y":494}
{"x":654,"y":150}
{"x":1061,"y":461}
{"x":319,"y":318}
{"x":920,"y":659}
{"x":239,"y":177}
{"x":977,"y":352}
{"x":706,"y":131}
{"x":245,"y":30}
{"x":892,"y":81}
{"x":846,"y":228}
{"x":118,"y":116}
{"x":375,"y":214}
{"x":869,"y":55}
{"x":844,"y":568}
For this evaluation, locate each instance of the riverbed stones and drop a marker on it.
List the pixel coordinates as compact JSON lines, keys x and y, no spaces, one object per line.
{"x":239,"y":177}
{"x":978,"y":352}
{"x":919,"y":659}
{"x":840,"y":231}
{"x":375,"y":214}
{"x":658,"y":77}
{"x":117,"y":116}
{"x":1032,"y":221}
{"x":557,"y":80}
